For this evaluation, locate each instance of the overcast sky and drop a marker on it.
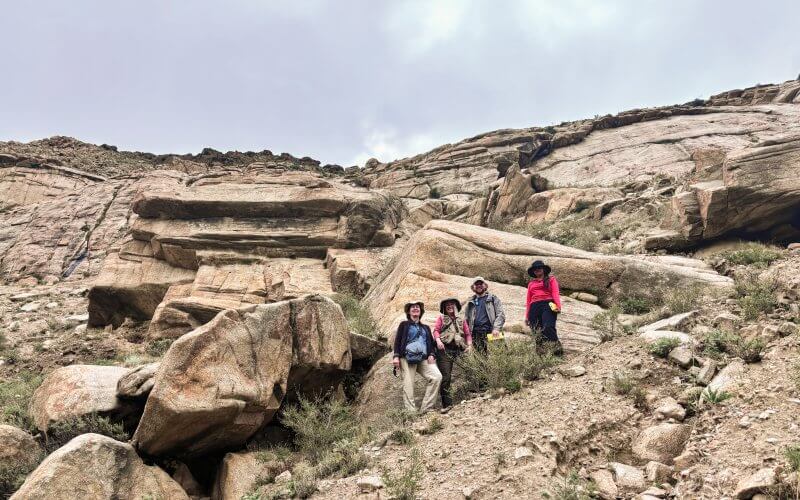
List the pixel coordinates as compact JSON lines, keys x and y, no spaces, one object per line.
{"x":342,"y":81}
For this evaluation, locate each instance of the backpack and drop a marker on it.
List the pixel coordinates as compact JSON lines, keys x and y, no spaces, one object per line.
{"x":417,"y":348}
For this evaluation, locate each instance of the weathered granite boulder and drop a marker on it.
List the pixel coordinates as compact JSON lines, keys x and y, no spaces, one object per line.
{"x":138,"y":382}
{"x":662,"y":442}
{"x":237,"y":475}
{"x":97,"y":467}
{"x":77,"y":390}
{"x":17,"y":448}
{"x":219,"y":384}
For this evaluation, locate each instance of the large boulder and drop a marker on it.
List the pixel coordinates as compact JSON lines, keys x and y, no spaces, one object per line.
{"x":238,"y":475}
{"x":138,"y":382}
{"x":219,"y":384}
{"x":78,"y":390}
{"x":17,"y":448}
{"x":97,"y":467}
{"x":440,"y":260}
{"x":662,"y":442}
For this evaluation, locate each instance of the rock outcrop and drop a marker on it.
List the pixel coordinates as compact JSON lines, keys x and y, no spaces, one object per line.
{"x":97,"y":467}
{"x":17,"y":448}
{"x":219,"y":384}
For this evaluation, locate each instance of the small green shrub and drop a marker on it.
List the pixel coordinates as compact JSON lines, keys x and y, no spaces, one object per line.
{"x":624,"y":385}
{"x":714,"y":396}
{"x":304,"y":481}
{"x":753,"y":254}
{"x":320,"y":423}
{"x":683,"y":299}
{"x":719,"y":342}
{"x":345,"y":458}
{"x":12,"y":476}
{"x":15,"y":397}
{"x":404,"y":486}
{"x":158,"y":347}
{"x":503,"y":366}
{"x":792,"y":454}
{"x":434,"y":426}
{"x":662,"y":347}
{"x":756,"y":296}
{"x":434,"y":193}
{"x":635,"y":305}
{"x":359,"y":318}
{"x":60,"y":433}
{"x":571,"y":487}
{"x":402,"y":436}
{"x":608,"y":323}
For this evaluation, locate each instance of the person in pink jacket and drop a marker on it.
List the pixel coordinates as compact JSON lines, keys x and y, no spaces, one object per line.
{"x":543,"y":303}
{"x":452,"y":336}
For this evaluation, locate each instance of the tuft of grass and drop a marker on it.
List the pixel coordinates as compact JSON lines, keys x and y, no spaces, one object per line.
{"x":304,"y":481}
{"x":12,"y":475}
{"x":792,"y":454}
{"x":635,"y":305}
{"x":402,"y":436}
{"x":662,"y":347}
{"x":504,"y":366}
{"x":609,"y":324}
{"x":582,"y":233}
{"x":320,"y":423}
{"x":718,"y":342}
{"x":60,"y":433}
{"x":434,"y":193}
{"x":755,"y":295}
{"x":757,"y":254}
{"x":404,"y":486}
{"x":15,"y":398}
{"x":434,"y":426}
{"x":624,"y":385}
{"x":345,"y":458}
{"x":359,"y":318}
{"x":683,"y":299}
{"x":714,"y":396}
{"x":571,"y":487}
{"x":158,"y":347}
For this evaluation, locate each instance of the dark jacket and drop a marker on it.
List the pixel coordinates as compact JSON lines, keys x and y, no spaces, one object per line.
{"x":401,"y":339}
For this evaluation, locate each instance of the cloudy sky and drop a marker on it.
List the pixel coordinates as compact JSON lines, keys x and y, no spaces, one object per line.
{"x":346,"y":80}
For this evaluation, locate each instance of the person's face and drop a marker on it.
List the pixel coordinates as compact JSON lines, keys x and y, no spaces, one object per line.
{"x":538,"y":273}
{"x":414,"y":311}
{"x":479,"y":287}
{"x":450,"y":308}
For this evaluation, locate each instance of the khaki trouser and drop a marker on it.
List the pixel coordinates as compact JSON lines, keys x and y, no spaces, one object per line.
{"x":431,"y":374}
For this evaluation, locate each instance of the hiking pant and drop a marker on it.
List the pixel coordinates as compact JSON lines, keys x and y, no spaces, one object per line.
{"x":542,"y":318}
{"x":431,"y":375}
{"x":444,"y":361}
{"x":479,"y":340}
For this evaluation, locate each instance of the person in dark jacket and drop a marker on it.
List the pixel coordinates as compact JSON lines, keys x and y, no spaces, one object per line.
{"x":414,"y":352}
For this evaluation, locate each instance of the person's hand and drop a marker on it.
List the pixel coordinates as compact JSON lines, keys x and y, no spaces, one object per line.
{"x":440,"y":344}
{"x":431,"y":360}
{"x":495,"y":333}
{"x":396,"y":362}
{"x":469,"y":348}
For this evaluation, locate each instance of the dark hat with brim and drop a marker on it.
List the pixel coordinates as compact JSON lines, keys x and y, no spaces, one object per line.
{"x":443,"y":304}
{"x":538,"y":264}
{"x":419,"y":303}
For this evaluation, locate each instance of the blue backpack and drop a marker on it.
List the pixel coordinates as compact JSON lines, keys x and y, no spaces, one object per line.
{"x":417,"y":348}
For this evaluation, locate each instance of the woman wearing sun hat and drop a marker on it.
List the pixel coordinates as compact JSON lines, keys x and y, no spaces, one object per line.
{"x":543,"y":302}
{"x":452,"y":335}
{"x":414,"y":352}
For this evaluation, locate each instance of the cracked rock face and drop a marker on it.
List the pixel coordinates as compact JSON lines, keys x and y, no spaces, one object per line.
{"x":219,"y":384}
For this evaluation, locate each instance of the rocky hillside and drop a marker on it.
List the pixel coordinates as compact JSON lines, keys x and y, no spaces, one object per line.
{"x":169,"y":321}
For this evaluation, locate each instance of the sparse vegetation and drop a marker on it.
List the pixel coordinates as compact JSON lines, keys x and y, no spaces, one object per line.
{"x":158,"y":347}
{"x":757,"y":254}
{"x":582,"y":233}
{"x":505,"y":366}
{"x":624,"y":385}
{"x":635,"y":305}
{"x":756,"y":296}
{"x":344,"y":458}
{"x":682,"y":299}
{"x":404,"y":486}
{"x":358,"y":317}
{"x":714,"y":396}
{"x":434,"y":193}
{"x":792,"y":454}
{"x":60,"y":433}
{"x":719,"y":342}
{"x":662,"y":347}
{"x":319,"y":424}
{"x":15,"y":397}
{"x":609,"y":324}
{"x":434,"y":425}
{"x":304,"y":481}
{"x":571,"y":487}
{"x":402,"y":436}
{"x":12,"y":476}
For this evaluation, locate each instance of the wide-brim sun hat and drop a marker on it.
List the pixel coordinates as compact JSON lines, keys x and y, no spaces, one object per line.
{"x":538,"y":264}
{"x":443,"y":303}
{"x":417,"y":302}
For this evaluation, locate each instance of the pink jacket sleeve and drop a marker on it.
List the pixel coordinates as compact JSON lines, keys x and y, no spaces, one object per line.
{"x":437,"y":327}
{"x":556,"y":292}
{"x":467,"y":332}
{"x":527,"y":302}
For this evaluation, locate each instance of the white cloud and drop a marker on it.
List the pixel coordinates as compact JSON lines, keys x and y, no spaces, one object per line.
{"x":419,"y":26}
{"x":385,"y":144}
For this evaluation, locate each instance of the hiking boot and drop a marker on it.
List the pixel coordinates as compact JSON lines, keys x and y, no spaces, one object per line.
{"x":445,"y":410}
